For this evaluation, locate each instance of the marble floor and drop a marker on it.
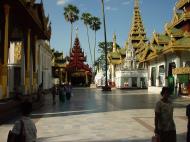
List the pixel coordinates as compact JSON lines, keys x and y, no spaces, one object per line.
{"x":77,"y":121}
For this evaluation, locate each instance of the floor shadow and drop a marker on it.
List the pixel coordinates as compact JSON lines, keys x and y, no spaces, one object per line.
{"x":180,"y":138}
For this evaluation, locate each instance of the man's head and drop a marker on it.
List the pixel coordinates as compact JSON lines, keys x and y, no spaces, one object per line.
{"x":165,"y":92}
{"x":26,"y":108}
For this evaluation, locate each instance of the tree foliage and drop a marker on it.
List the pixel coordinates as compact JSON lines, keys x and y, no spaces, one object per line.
{"x":100,"y":62}
{"x":71,"y":13}
{"x":95,"y":23}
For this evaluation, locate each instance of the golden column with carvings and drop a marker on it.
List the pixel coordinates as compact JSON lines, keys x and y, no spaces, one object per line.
{"x":27,"y":72}
{"x":4,"y":68}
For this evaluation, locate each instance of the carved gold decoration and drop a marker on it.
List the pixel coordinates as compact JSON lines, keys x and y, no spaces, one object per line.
{"x":18,"y":53}
{"x":181,"y":70}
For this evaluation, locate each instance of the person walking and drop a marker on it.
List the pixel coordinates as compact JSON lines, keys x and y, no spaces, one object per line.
{"x":68,"y":90}
{"x":39,"y":92}
{"x":164,"y":123}
{"x":62,"y":93}
{"x":54,"y":92}
{"x":25,"y":124}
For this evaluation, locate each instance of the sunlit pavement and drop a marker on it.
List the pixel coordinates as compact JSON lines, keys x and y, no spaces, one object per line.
{"x":96,"y":116}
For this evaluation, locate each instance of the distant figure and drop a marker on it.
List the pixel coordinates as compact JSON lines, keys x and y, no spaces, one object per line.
{"x":54,"y":92}
{"x":17,"y":94}
{"x":68,"y":90}
{"x":39,"y":93}
{"x":26,"y":123}
{"x":62,"y":93}
{"x":188,"y":124}
{"x":164,"y":123}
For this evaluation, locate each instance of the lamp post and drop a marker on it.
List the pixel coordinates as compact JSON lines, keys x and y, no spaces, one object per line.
{"x":106,"y":87}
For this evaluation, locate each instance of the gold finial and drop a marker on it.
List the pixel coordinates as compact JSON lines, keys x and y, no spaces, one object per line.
{"x":77,"y":29}
{"x":136,"y":3}
{"x":114,"y":37}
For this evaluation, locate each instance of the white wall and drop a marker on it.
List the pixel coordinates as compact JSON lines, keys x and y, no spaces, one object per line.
{"x":44,"y":67}
{"x":126,"y":76}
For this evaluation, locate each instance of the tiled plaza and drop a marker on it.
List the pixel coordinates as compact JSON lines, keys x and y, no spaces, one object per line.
{"x":94,"y":116}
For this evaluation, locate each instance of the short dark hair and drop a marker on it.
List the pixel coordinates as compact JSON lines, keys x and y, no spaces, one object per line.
{"x":26,"y":108}
{"x":164,"y":89}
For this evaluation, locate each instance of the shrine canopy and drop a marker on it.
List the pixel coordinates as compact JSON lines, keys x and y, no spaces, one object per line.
{"x":77,"y":59}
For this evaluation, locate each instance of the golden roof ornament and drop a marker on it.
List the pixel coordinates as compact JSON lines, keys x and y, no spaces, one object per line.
{"x":136,"y":3}
{"x":76,"y":30}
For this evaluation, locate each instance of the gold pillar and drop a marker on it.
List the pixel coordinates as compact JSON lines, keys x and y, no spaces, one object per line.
{"x":27,"y":72}
{"x":4,"y":68}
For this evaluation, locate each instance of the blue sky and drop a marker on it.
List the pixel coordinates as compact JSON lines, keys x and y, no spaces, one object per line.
{"x":155,"y":13}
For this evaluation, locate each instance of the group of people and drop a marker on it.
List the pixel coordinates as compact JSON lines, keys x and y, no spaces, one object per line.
{"x":63,"y":90}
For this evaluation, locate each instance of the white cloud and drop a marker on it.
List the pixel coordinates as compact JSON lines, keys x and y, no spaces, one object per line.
{"x":62,"y":2}
{"x":126,"y":2}
{"x":108,"y":7}
{"x":111,"y":8}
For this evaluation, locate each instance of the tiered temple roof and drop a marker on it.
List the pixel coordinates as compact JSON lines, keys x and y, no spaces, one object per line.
{"x":34,"y":15}
{"x":77,"y":59}
{"x":176,"y":36}
{"x":137,"y":32}
{"x":115,"y":56}
{"x":137,"y":36}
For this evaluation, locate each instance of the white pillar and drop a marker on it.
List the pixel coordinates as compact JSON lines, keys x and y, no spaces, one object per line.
{"x":112,"y":73}
{"x":138,"y":82}
{"x":177,"y":62}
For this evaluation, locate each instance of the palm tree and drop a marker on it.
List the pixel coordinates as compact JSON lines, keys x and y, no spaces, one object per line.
{"x":71,"y":15}
{"x":86,"y":17}
{"x":95,"y":26}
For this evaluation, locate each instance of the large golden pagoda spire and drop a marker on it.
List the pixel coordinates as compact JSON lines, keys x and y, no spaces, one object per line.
{"x":137,"y":32}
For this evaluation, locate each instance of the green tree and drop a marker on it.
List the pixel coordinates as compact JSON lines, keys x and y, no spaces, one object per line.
{"x":71,"y":13}
{"x":95,"y":26}
{"x":109,"y":46}
{"x":86,"y":18}
{"x":100,"y":62}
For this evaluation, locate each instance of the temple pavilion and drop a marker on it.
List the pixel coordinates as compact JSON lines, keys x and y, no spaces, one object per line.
{"x":59,"y":67}
{"x":125,"y":68}
{"x":168,"y":53}
{"x":22,"y":25}
{"x":77,"y":72}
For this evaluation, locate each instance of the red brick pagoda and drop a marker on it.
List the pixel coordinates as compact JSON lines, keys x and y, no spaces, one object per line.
{"x":77,"y":72}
